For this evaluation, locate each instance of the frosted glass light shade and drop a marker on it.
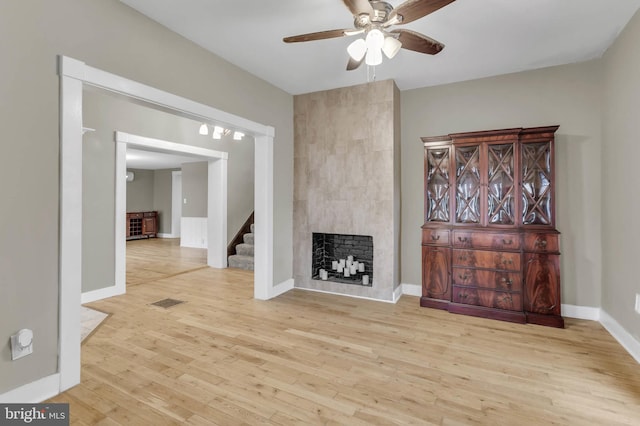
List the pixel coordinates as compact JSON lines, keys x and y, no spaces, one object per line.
{"x":237,"y":136}
{"x":374,"y":57}
{"x":391,"y":47}
{"x":357,"y":49}
{"x":204,"y":130}
{"x":374,"y":41}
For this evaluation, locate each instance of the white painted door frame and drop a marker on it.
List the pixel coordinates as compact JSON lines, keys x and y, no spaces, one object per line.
{"x":73,"y":75}
{"x":216,"y":193}
{"x":176,"y":203}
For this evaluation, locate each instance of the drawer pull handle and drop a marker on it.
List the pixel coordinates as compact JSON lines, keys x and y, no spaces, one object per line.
{"x":435,"y":237}
{"x":463,"y":277}
{"x":463,"y":296}
{"x":462,"y":258}
{"x":463,"y":239}
{"x":507,"y":282}
{"x":507,"y":242}
{"x":541,"y":243}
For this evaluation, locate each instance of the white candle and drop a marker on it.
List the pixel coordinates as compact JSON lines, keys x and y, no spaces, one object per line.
{"x":361,"y":267}
{"x":356,"y":263}
{"x":342,"y":263}
{"x":340,"y":268}
{"x":349,"y":263}
{"x":334,"y":264}
{"x":353,"y":270}
{"x":324,"y":275}
{"x":365,"y":280}
{"x":350,"y":258}
{"x":346,"y":273}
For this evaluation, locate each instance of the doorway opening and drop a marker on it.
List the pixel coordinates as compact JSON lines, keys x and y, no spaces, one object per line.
{"x":74,"y":75}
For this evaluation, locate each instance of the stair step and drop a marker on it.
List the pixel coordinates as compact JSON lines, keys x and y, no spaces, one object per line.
{"x":241,"y":262}
{"x":244,"y":249}
{"x":248,"y":238}
{"x":252,"y":228}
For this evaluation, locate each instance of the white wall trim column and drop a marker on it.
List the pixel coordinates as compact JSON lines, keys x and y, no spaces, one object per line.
{"x":263,"y":217}
{"x":217,"y":214}
{"x":70,"y":279}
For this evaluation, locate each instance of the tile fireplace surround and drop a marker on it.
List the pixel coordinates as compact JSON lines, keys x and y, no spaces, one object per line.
{"x":347,"y":179}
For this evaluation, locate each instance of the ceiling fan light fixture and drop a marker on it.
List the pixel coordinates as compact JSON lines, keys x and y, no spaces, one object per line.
{"x":374,"y":42}
{"x":391,"y":47}
{"x":374,"y":57}
{"x":357,"y":49}
{"x":374,"y":39}
{"x":204,"y":130}
{"x":237,"y":136}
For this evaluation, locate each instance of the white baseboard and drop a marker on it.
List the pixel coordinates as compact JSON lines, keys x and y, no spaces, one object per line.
{"x":346,"y":295}
{"x":581,"y":312}
{"x":167,"y":236}
{"x":102,"y":293}
{"x":621,"y":335}
{"x":397,"y":293}
{"x":34,"y":392}
{"x":281,"y":288}
{"x":411,"y":289}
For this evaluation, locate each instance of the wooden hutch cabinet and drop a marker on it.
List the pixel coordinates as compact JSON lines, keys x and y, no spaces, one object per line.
{"x":489,"y":243}
{"x":142,"y":225}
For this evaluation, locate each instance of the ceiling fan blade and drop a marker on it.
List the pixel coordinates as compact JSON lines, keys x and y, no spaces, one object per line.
{"x":411,"y":10}
{"x":417,"y":42}
{"x":353,"y":64}
{"x":358,"y":7}
{"x":321,"y":35}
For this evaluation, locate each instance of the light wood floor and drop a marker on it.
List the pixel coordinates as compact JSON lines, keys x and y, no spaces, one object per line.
{"x":309,"y":358}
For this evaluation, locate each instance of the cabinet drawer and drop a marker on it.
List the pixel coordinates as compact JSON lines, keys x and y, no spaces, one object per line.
{"x":149,"y":214}
{"x":497,"y":280}
{"x":541,"y":242}
{"x":492,"y":240}
{"x":487,"y":259}
{"x":134,"y":215}
{"x":435,"y":236}
{"x":487,"y":298}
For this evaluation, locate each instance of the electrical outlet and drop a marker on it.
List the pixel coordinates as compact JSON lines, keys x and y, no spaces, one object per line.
{"x":21,"y":344}
{"x":638,"y":303}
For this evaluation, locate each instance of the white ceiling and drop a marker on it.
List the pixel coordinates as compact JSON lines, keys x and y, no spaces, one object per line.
{"x":150,"y":160}
{"x":482,"y":38}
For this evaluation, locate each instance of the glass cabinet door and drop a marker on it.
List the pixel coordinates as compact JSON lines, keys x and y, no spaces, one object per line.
{"x":437,"y":188}
{"x":467,"y":184}
{"x":536,"y":184}
{"x":501,"y":184}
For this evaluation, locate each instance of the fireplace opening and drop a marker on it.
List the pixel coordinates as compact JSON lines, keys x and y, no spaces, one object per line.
{"x":342,"y":258}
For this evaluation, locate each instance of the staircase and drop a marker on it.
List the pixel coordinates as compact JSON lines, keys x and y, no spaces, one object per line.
{"x":243,"y":259}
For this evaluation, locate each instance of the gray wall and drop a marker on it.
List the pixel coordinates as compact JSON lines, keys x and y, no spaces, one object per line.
{"x":621,"y":199}
{"x":194,"y":189}
{"x":140,"y":193}
{"x":162,"y":190}
{"x":32,"y":34}
{"x":568,"y":95}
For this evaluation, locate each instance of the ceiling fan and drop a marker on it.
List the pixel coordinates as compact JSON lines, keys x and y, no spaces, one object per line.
{"x":373,"y":18}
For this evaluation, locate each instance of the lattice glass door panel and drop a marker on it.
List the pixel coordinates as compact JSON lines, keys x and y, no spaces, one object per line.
{"x":501,"y":184}
{"x":468,"y":184}
{"x":536,"y":184}
{"x":437,"y":195}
